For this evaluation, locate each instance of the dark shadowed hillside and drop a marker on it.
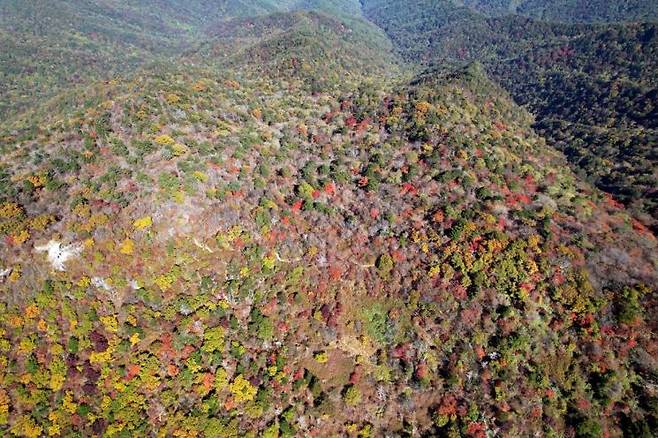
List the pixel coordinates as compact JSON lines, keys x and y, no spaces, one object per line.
{"x":589,"y":86}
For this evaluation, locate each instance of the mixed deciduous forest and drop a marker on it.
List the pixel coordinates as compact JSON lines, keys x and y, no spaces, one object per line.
{"x":226,"y":218}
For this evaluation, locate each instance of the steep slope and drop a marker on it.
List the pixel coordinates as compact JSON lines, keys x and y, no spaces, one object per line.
{"x":196,"y":253}
{"x":590,"y":86}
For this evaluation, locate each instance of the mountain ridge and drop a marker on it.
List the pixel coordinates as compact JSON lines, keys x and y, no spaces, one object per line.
{"x":570,"y":10}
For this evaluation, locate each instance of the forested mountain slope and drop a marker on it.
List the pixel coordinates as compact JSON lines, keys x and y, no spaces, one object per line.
{"x":590,"y":87}
{"x":276,"y":230}
{"x":298,"y":262}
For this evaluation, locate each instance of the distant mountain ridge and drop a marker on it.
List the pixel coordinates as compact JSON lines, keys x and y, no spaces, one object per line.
{"x":586,"y":11}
